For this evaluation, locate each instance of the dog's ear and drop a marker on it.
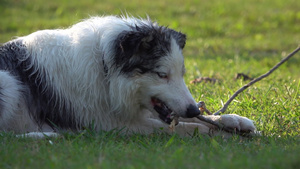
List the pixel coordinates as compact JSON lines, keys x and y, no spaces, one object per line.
{"x":179,"y":37}
{"x":130,"y":42}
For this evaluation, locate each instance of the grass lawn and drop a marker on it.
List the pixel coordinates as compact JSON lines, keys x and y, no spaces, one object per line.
{"x":224,"y":38}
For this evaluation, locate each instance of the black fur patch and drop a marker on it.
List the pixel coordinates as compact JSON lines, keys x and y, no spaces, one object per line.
{"x":42,"y":101}
{"x":141,"y":48}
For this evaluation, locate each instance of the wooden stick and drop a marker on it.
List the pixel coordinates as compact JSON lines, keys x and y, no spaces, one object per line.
{"x":223,"y":109}
{"x":202,"y":107}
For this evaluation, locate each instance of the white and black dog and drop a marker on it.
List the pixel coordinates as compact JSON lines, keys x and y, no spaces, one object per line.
{"x":105,"y":73}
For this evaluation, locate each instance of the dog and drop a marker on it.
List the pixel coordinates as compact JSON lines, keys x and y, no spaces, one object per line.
{"x":104,"y":73}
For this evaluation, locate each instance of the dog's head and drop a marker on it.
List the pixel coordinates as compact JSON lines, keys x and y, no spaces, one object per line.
{"x":151,"y":56}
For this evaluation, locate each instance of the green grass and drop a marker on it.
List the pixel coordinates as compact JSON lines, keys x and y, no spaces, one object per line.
{"x":224,"y":38}
{"x":107,"y":150}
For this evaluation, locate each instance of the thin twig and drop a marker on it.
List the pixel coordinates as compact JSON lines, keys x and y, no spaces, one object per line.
{"x":223,"y":109}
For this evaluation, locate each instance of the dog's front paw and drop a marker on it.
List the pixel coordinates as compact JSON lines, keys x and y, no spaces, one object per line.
{"x":237,"y":122}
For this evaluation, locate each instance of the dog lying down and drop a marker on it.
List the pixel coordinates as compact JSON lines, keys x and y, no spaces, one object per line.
{"x":103,"y":73}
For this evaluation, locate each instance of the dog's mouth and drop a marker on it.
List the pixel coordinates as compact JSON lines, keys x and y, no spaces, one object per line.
{"x":165,"y":113}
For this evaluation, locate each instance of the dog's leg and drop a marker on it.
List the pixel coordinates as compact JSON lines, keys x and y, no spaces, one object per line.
{"x":152,"y":125}
{"x":146,"y":126}
{"x":14,"y":115}
{"x":45,"y":131}
{"x":188,"y":129}
{"x":187,"y":126}
{"x":231,"y":121}
{"x":234,"y":121}
{"x":183,"y":128}
{"x":39,"y":135}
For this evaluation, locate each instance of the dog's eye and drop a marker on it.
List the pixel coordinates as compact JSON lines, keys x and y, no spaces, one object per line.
{"x":162,"y":75}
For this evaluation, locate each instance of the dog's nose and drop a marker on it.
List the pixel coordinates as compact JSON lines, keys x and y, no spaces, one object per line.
{"x":192,"y":111}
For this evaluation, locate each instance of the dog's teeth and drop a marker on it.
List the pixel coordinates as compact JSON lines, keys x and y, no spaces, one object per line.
{"x":173,"y":113}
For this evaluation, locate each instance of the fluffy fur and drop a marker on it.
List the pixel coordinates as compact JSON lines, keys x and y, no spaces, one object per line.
{"x":103,"y":73}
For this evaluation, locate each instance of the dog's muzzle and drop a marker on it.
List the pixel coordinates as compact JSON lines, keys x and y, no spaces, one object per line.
{"x":166,"y":114}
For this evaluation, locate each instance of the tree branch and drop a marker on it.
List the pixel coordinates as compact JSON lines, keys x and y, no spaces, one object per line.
{"x":223,"y":109}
